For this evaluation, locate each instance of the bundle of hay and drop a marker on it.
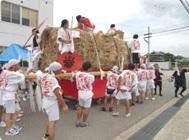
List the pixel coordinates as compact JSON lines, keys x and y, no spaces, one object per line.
{"x":110,"y":49}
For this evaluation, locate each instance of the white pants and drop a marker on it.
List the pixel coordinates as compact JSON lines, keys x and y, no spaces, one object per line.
{"x":66,"y":48}
{"x":53,"y":112}
{"x":10,"y":106}
{"x":85,"y":98}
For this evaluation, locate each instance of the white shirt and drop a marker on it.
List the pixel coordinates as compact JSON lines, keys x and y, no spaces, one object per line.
{"x":142,"y":75}
{"x":84,"y":81}
{"x":129,"y":79}
{"x":135,"y":46}
{"x":151,"y":74}
{"x":48,"y":85}
{"x":9,"y":82}
{"x":64,"y":34}
{"x":112,"y":80}
{"x":143,"y":60}
{"x":111,"y":31}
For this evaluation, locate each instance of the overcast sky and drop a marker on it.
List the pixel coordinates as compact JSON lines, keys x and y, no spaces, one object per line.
{"x":133,"y":16}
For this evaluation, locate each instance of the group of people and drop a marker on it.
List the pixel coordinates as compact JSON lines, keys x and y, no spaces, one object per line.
{"x":11,"y":81}
{"x":130,"y":85}
{"x":134,"y":84}
{"x":65,"y":35}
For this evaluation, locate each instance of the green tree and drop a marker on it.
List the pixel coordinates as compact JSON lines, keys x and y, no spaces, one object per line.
{"x":169,"y":56}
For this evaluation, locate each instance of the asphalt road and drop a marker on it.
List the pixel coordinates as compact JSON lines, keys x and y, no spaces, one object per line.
{"x":102,"y":125}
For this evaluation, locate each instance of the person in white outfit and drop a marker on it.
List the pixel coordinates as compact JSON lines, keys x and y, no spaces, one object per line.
{"x":84,"y":82}
{"x":135,"y":50}
{"x":10,"y":80}
{"x":127,"y":82}
{"x":135,"y":92}
{"x":111,"y":87}
{"x":142,"y":82}
{"x":52,"y":98}
{"x":64,"y":38}
{"x":150,"y":82}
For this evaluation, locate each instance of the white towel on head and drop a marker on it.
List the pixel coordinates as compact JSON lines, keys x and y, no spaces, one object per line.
{"x":11,"y":63}
{"x":54,"y":66}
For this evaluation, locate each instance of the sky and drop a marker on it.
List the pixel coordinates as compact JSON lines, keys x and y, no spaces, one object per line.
{"x":133,"y":16}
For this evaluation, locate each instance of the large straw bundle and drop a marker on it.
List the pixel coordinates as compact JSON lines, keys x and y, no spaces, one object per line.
{"x":110,"y":49}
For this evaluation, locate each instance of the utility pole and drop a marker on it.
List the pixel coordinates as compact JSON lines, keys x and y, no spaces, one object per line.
{"x":147,"y":40}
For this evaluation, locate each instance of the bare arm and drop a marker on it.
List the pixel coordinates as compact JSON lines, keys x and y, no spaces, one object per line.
{"x":60,"y":99}
{"x":64,"y":41}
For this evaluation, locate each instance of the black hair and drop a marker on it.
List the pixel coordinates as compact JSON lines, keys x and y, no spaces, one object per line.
{"x":1,"y":70}
{"x":135,"y":36}
{"x":131,"y":66}
{"x":64,"y":22}
{"x":112,"y":26}
{"x":78,"y":17}
{"x":34,"y":29}
{"x":86,"y":66}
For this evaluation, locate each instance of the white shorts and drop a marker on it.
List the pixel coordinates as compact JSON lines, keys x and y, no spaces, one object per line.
{"x":142,"y":86}
{"x":135,"y":90}
{"x":10,"y":106}
{"x":150,"y":84}
{"x":123,"y":96}
{"x":85,"y":98}
{"x":53,"y":112}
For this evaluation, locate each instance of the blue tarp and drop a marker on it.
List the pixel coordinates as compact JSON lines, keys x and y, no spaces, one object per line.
{"x":14,"y":51}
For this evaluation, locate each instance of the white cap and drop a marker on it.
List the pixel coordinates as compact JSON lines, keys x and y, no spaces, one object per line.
{"x":54,"y":66}
{"x":11,"y":63}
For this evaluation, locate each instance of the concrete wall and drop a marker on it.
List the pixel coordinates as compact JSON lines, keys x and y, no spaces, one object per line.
{"x":163,"y":65}
{"x":10,"y":32}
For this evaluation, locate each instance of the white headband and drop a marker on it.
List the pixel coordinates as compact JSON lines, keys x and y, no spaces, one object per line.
{"x":54,"y":66}
{"x":11,"y":63}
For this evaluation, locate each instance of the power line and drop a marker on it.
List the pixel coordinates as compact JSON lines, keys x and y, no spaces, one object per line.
{"x":187,"y":3}
{"x":168,"y":33}
{"x":164,"y":31}
{"x":170,"y":30}
{"x":185,"y":6}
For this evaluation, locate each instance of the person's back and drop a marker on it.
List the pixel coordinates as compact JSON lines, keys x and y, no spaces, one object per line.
{"x":112,"y":80}
{"x":84,"y":23}
{"x":84,"y":81}
{"x":48,"y":85}
{"x":128,"y":79}
{"x":135,"y":46}
{"x":142,"y":75}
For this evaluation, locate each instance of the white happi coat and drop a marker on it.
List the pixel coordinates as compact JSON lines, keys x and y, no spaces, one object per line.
{"x":65,"y":34}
